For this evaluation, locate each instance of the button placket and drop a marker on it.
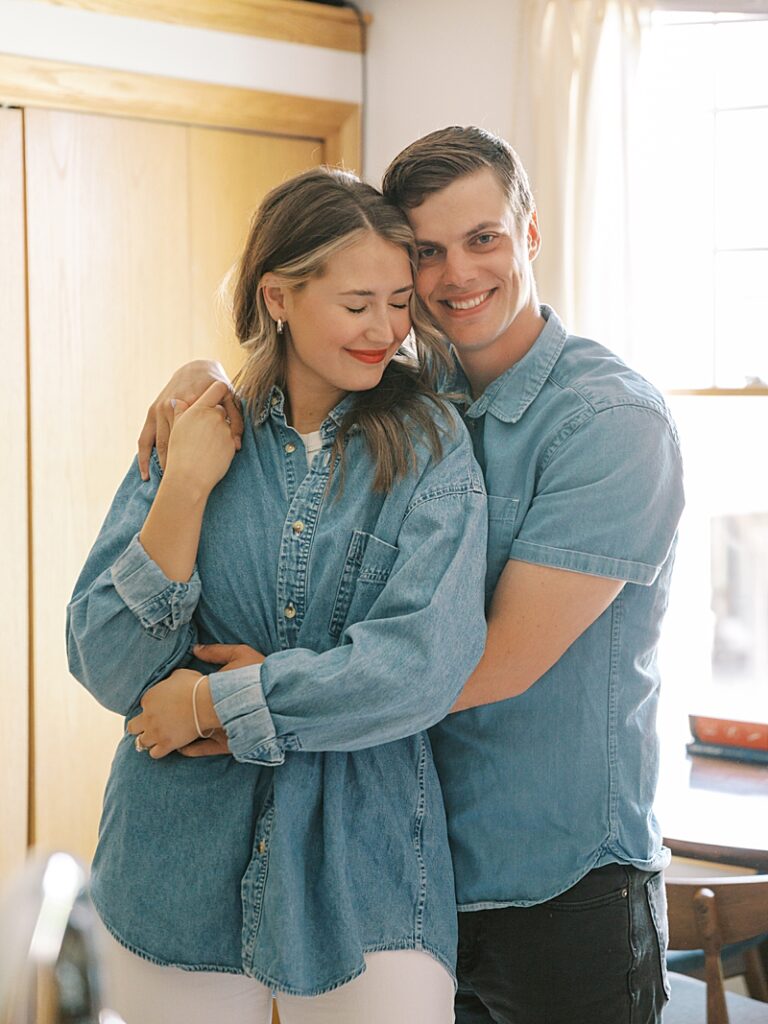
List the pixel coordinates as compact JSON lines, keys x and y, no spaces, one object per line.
{"x":297,"y":533}
{"x":296,"y":543}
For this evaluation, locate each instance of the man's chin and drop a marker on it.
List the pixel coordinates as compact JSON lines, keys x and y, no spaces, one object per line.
{"x":468,"y":338}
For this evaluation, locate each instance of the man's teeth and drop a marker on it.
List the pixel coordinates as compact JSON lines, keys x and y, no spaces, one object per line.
{"x":468,"y":303}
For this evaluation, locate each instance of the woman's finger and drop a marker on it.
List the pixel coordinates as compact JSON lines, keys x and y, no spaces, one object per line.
{"x":135,"y":726}
{"x":214,"y":394}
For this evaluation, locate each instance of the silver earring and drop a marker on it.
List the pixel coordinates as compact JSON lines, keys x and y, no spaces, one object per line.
{"x":280,"y":326}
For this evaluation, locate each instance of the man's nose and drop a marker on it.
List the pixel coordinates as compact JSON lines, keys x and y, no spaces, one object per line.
{"x":458,"y":269}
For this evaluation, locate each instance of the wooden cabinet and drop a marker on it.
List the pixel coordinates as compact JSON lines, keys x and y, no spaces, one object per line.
{"x":14,"y":582}
{"x":115,"y":233}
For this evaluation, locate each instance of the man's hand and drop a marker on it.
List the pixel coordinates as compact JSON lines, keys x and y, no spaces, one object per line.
{"x":228,"y":656}
{"x":188,"y":384}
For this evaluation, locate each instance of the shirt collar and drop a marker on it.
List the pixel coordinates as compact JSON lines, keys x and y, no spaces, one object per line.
{"x":274,"y":406}
{"x":509,"y":395}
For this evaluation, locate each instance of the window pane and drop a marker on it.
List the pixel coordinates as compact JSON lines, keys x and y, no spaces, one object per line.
{"x":741,"y":324}
{"x":740,"y":600}
{"x":672,"y":210}
{"x":741,"y":146}
{"x":715,"y":641}
{"x":740,"y":64}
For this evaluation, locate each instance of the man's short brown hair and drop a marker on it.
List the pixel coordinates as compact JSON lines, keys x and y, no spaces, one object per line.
{"x":438,"y":159}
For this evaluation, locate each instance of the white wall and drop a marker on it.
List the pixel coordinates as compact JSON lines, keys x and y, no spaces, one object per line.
{"x":433,"y":63}
{"x":30,"y":28}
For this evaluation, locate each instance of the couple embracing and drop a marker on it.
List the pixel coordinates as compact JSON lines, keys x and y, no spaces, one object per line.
{"x":386,"y":642}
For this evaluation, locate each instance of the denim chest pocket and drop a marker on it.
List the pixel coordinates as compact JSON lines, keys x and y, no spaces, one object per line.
{"x":502,"y":518}
{"x":367,"y":567}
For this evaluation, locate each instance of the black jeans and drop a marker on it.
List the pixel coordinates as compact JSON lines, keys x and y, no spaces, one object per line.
{"x":593,"y":955}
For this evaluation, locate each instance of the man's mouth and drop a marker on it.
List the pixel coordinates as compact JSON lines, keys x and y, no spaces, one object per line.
{"x":471,"y":302}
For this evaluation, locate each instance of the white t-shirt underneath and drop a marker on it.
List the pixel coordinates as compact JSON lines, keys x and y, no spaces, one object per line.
{"x":313,"y":443}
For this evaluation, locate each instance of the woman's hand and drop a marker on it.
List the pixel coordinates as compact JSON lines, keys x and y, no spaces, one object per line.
{"x":228,"y":656}
{"x":186,"y":385}
{"x":201,"y":447}
{"x":167,"y":721}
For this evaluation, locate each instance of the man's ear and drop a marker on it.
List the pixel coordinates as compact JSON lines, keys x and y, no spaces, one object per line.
{"x":275,"y":294}
{"x":534,"y":237}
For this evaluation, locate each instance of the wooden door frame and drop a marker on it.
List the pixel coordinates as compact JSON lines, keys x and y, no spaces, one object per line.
{"x":27,"y":82}
{"x":294,"y":21}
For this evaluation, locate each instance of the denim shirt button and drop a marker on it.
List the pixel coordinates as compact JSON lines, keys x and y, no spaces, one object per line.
{"x":290,"y":448}
{"x":290,"y":611}
{"x":298,"y":526}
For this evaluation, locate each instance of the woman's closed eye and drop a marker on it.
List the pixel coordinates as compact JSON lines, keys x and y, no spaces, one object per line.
{"x":362,"y":309}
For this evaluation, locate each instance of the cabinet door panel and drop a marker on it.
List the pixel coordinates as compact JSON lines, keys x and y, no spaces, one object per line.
{"x":14,"y":591}
{"x":229,"y":174}
{"x":109,"y":318}
{"x":131,"y":226}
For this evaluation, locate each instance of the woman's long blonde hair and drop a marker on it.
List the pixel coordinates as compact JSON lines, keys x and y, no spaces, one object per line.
{"x":299,"y":226}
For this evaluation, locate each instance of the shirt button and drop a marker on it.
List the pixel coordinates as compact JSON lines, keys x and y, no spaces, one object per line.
{"x":289,"y":611}
{"x":262,"y":847}
{"x":290,"y":448}
{"x":274,"y":401}
{"x":298,"y":526}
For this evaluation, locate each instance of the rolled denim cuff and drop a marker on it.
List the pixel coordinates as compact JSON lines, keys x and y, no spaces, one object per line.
{"x":238,"y":698}
{"x":161,"y":605}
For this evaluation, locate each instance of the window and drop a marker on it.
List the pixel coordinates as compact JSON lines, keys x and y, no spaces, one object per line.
{"x":699,"y":210}
{"x":700,"y":202}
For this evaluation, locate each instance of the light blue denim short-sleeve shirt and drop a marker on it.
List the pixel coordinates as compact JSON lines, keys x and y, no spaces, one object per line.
{"x":583,"y":473}
{"x":324,"y":836}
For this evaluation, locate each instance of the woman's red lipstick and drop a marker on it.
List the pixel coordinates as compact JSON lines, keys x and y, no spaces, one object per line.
{"x":374,"y":356}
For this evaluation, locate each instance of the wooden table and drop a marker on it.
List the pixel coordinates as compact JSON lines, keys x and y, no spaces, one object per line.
{"x":713,"y":809}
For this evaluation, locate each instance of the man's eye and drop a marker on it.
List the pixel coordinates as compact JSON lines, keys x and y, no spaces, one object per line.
{"x":427,"y":253}
{"x":485,"y":238}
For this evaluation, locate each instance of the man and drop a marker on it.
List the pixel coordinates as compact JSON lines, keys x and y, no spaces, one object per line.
{"x":549,"y":794}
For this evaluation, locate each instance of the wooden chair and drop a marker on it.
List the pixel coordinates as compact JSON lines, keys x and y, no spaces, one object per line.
{"x":709,"y":913}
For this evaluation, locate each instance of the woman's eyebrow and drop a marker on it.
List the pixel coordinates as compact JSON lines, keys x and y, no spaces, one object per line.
{"x":368,"y":292}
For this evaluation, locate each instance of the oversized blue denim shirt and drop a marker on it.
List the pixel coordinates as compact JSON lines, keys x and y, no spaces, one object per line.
{"x":324,"y":837}
{"x":583,"y":472}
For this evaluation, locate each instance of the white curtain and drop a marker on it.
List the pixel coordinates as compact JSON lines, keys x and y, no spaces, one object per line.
{"x":574,"y":70}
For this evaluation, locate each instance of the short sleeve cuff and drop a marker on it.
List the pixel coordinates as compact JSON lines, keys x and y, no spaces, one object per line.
{"x":238,"y":698}
{"x":581,"y":561}
{"x":158,"y":603}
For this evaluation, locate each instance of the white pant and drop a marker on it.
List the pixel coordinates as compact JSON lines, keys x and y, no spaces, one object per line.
{"x":397,"y":987}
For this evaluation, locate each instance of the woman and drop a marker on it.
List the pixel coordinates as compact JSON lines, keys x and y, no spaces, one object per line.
{"x":346,"y":541}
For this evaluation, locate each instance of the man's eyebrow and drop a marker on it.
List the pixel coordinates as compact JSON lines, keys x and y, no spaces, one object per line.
{"x":366,"y":293}
{"x":497,"y":224}
{"x":484,"y":227}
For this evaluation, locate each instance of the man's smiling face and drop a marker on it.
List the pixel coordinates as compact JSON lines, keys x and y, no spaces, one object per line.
{"x":475,"y":273}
